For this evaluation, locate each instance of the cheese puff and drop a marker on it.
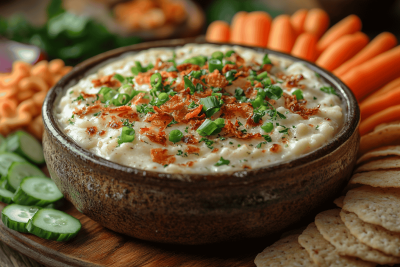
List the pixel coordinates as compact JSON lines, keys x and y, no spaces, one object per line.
{"x":56,"y":78}
{"x":8,"y":108}
{"x":38,"y":98}
{"x":56,"y":65}
{"x":65,"y":70}
{"x":24,"y":95}
{"x":8,"y":94}
{"x":35,"y":127}
{"x":28,"y":106}
{"x":19,"y":71}
{"x":33,"y":83}
{"x":41,"y":69}
{"x":21,"y":119}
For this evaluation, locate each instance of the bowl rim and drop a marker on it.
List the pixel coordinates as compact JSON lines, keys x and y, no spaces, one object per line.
{"x":352,"y":118}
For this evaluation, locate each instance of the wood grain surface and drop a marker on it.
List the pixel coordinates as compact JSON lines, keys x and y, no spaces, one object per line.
{"x":97,"y":246}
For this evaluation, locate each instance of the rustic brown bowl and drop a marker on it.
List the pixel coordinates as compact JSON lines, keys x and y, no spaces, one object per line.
{"x":197,"y":209}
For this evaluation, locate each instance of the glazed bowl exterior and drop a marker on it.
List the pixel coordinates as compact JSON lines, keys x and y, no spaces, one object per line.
{"x":197,"y":208}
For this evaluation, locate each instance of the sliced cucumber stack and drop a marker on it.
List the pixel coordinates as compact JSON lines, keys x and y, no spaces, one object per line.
{"x":6,"y":196}
{"x":16,"y":216}
{"x":18,"y":171}
{"x":25,"y":145}
{"x":6,"y":159}
{"x":38,"y":191}
{"x":54,"y":225}
{"x":3,"y":144}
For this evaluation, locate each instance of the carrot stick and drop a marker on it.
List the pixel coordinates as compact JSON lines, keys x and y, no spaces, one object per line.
{"x":305,"y":46}
{"x":237,"y":27}
{"x":384,"y":116}
{"x":342,"y":50}
{"x":378,"y":45}
{"x":317,"y":22}
{"x":257,"y":27}
{"x":350,"y":24}
{"x":379,"y":103}
{"x":374,"y":73}
{"x":297,"y":19}
{"x":387,"y":88}
{"x":282,"y":35}
{"x":218,"y":32}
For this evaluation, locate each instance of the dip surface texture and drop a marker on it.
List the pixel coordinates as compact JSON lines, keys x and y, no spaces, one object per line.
{"x":201,"y":109}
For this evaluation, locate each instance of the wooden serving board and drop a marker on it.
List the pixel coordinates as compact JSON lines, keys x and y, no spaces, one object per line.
{"x":98,"y":246}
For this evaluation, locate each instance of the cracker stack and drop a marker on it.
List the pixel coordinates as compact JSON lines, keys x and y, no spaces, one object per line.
{"x":365,"y":229}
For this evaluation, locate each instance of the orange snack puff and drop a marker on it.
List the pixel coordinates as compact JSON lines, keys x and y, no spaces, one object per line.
{"x":33,"y":83}
{"x":19,"y":71}
{"x":56,"y":65}
{"x":41,"y":69}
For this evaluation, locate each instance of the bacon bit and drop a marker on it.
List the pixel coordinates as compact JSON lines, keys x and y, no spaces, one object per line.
{"x":87,"y":110}
{"x":103,"y":132}
{"x":159,"y":138}
{"x":189,"y":163}
{"x":166,"y":74}
{"x":85,"y":95}
{"x":229,"y":67}
{"x":106,"y":81}
{"x":194,"y":113}
{"x":198,"y":95}
{"x":250,"y":92}
{"x":190,"y":139}
{"x":143,"y":77}
{"x":263,"y":151}
{"x":215,"y":150}
{"x":250,"y":122}
{"x":192,"y":149}
{"x":138,"y":99}
{"x":159,"y":119}
{"x":228,"y":99}
{"x":293,"y":81}
{"x":232,"y":130}
{"x":187,"y":66}
{"x":174,"y":103}
{"x":327,"y":119}
{"x":91,"y":130}
{"x":131,"y":116}
{"x":299,"y":107}
{"x":266,"y":67}
{"x":196,"y":124}
{"x":275,"y":148}
{"x":159,"y":155}
{"x":311,"y":125}
{"x":216,"y":79}
{"x":114,"y":123}
{"x":243,"y":110}
{"x":246,"y":167}
{"x":118,"y":109}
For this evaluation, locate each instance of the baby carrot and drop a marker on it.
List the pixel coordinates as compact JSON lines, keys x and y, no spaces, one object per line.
{"x":257,"y":27}
{"x":342,"y":50}
{"x":384,"y":116}
{"x":237,"y":27}
{"x":282,"y":35}
{"x":218,"y":32}
{"x":297,"y":20}
{"x":305,"y":46}
{"x":374,"y":73}
{"x":348,"y":25}
{"x":387,"y":88}
{"x":379,"y":103}
{"x":378,"y":45}
{"x":317,"y":21}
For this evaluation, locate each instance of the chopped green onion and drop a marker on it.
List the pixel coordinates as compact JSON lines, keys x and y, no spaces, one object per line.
{"x":266,"y":82}
{"x":239,"y":95}
{"x":299,"y":94}
{"x":188,"y":83}
{"x":267,"y":138}
{"x":127,"y":89}
{"x":156,"y":80}
{"x":103,"y":92}
{"x":221,"y":162}
{"x":328,"y":90}
{"x":121,"y":99}
{"x":217,"y":55}
{"x":229,"y":62}
{"x":208,"y":142}
{"x":230,"y":75}
{"x":267,"y":127}
{"x":207,"y":128}
{"x":127,"y":135}
{"x":258,"y":114}
{"x":119,"y":77}
{"x":193,"y":105}
{"x":175,"y":136}
{"x":172,"y":68}
{"x":266,"y":60}
{"x":258,"y":102}
{"x":262,"y":75}
{"x":317,"y":75}
{"x":229,"y":53}
{"x":138,"y":68}
{"x":272,"y":91}
{"x":214,"y":64}
{"x":211,"y":105}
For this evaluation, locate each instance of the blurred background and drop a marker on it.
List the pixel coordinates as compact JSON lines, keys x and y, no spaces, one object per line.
{"x":74,"y":30}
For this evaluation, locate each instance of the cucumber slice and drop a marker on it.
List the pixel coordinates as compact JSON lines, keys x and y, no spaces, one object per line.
{"x":18,"y":171}
{"x":54,"y":225}
{"x":6,"y":196}
{"x":3,"y":144}
{"x":16,"y":216}
{"x":37,"y":191}
{"x":27,"y":146}
{"x":6,"y":159}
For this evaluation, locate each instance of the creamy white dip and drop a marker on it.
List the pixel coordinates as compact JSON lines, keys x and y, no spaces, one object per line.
{"x":291,"y":137}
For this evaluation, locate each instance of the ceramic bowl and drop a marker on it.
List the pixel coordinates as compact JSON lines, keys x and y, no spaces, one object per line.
{"x":197,"y":208}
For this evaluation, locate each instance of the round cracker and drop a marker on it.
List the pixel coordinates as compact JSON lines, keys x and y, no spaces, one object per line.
{"x":323,"y":253}
{"x":333,"y":229}
{"x":374,"y":205}
{"x":385,"y":136}
{"x":380,"y":152}
{"x":388,"y":178}
{"x":380,"y":164}
{"x":284,"y":252}
{"x":339,"y":201}
{"x":372,"y":235}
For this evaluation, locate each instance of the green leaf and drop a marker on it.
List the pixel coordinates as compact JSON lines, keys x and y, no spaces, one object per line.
{"x":328,"y":90}
{"x":221,"y":162}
